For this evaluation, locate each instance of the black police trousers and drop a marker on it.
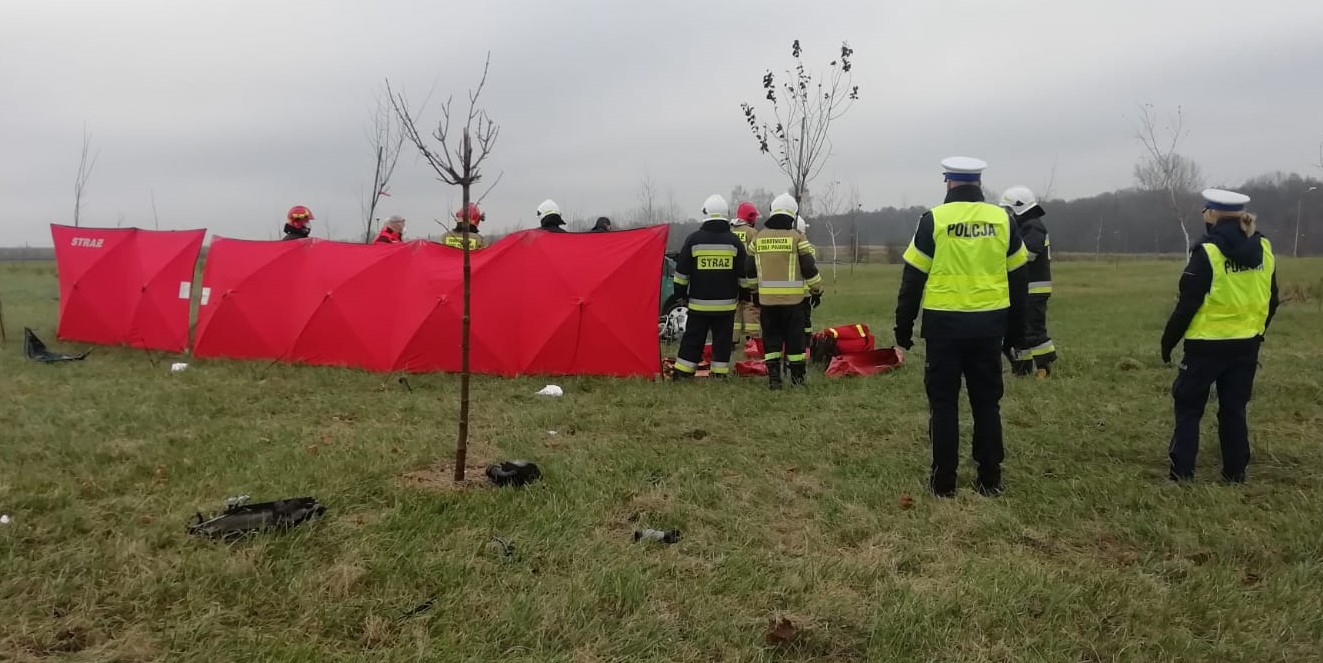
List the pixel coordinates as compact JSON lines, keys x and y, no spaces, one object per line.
{"x":783,"y":332}
{"x":1234,"y":377}
{"x":978,"y":361}
{"x":697,"y":327}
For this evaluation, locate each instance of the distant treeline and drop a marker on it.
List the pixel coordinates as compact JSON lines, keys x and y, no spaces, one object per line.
{"x":1126,"y":221}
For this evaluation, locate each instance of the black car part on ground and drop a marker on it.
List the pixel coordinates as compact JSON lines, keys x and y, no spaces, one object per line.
{"x":513,"y":473}
{"x":240,"y":518}
{"x":36,"y":350}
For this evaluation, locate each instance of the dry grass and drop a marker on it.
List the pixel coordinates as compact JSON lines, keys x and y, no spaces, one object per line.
{"x":791,"y":505}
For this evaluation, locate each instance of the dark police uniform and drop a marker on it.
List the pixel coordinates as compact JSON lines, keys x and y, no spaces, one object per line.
{"x":1038,"y":350}
{"x":1228,"y":297}
{"x":709,"y":273}
{"x":964,"y":266}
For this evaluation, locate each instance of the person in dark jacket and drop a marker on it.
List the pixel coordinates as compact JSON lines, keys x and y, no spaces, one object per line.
{"x":1039,"y":352}
{"x":965,"y":268}
{"x":1228,"y":297}
{"x":548,"y":217}
{"x":709,"y":274}
{"x":603,"y":225}
{"x":297,"y":223}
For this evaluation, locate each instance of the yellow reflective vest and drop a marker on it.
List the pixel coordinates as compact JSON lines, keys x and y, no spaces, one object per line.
{"x":1236,"y":306}
{"x":784,"y":263}
{"x":455,"y":239}
{"x":967,"y":271}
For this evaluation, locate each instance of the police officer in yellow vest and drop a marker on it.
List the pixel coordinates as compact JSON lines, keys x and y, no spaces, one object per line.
{"x":965,"y":267}
{"x":1228,"y":296}
{"x":782,"y":263}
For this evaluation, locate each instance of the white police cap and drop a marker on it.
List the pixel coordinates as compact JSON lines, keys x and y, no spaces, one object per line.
{"x":963,"y":169}
{"x":1225,"y":201}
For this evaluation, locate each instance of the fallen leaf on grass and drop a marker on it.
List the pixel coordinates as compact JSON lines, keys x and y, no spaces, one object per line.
{"x":906,"y":501}
{"x":311,"y":449}
{"x":697,"y":434}
{"x":160,"y":473}
{"x":780,"y":632}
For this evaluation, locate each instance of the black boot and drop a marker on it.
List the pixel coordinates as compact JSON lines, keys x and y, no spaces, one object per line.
{"x":943,"y":484}
{"x":798,"y":374}
{"x":774,"y":369}
{"x":988,"y":483}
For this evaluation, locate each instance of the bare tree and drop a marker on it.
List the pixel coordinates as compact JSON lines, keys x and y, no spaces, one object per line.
{"x":828,"y":206}
{"x":156,"y":218}
{"x":386,"y":139}
{"x":803,"y":109}
{"x":1050,"y":183}
{"x":648,"y":200}
{"x":456,"y":164}
{"x":85,"y":167}
{"x":855,"y":205}
{"x":1163,"y":168}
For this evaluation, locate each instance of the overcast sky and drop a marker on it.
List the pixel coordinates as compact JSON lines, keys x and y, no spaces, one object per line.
{"x":233,"y":111}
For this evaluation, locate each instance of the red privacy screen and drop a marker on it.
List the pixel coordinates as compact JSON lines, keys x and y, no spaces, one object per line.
{"x":126,"y":286}
{"x":543,"y":303}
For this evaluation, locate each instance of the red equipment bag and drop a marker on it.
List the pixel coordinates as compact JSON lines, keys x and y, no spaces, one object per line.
{"x":872,"y":362}
{"x":849,"y":338}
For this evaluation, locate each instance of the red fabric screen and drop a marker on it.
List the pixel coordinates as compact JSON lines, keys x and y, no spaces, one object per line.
{"x":126,"y":286}
{"x":543,"y":303}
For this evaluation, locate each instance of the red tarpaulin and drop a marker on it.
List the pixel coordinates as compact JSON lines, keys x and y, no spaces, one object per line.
{"x":543,"y":303}
{"x":867,"y":363}
{"x":126,"y":286}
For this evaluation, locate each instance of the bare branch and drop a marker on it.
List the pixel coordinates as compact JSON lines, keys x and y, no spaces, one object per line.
{"x":156,"y":219}
{"x":1163,"y":168}
{"x":489,"y":189}
{"x":84,"y":174}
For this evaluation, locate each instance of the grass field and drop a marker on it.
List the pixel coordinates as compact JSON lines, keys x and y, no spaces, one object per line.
{"x":790,"y":506}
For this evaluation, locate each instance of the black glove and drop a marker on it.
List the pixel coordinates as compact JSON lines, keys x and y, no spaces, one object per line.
{"x":815,"y":299}
{"x":904,"y":338}
{"x":755,"y":299}
{"x":1166,"y":355}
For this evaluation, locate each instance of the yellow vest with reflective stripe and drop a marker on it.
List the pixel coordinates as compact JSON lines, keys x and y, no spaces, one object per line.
{"x":969,"y":259}
{"x":776,"y":253}
{"x":1236,"y":306}
{"x":455,"y":240}
{"x":746,"y":234}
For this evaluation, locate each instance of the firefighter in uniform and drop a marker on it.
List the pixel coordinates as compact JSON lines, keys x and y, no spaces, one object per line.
{"x":548,"y":217}
{"x":392,"y":231}
{"x":783,"y":266}
{"x":1039,"y":352}
{"x":813,"y":299}
{"x":965,"y":268}
{"x":1228,"y":297}
{"x":746,"y":317}
{"x":297,"y":222}
{"x":708,"y":273}
{"x":472,"y":217}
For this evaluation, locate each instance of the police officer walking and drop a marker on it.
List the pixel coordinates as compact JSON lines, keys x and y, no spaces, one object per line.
{"x":1038,"y":353}
{"x":708,"y":272}
{"x":964,"y":266}
{"x":783,"y":266}
{"x":1228,"y":297}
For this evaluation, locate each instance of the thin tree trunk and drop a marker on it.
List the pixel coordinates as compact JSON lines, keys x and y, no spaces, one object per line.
{"x":462,"y":444}
{"x":4,"y":336}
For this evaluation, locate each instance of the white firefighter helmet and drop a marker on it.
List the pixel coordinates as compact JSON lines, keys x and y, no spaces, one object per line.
{"x":1019,"y":198}
{"x":801,"y":225}
{"x":715,"y":208}
{"x":785,"y":204}
{"x":548,"y":206}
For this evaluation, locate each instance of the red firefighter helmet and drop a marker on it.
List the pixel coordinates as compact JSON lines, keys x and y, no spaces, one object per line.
{"x":299,"y":213}
{"x":747,"y":212}
{"x":475,"y":215}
